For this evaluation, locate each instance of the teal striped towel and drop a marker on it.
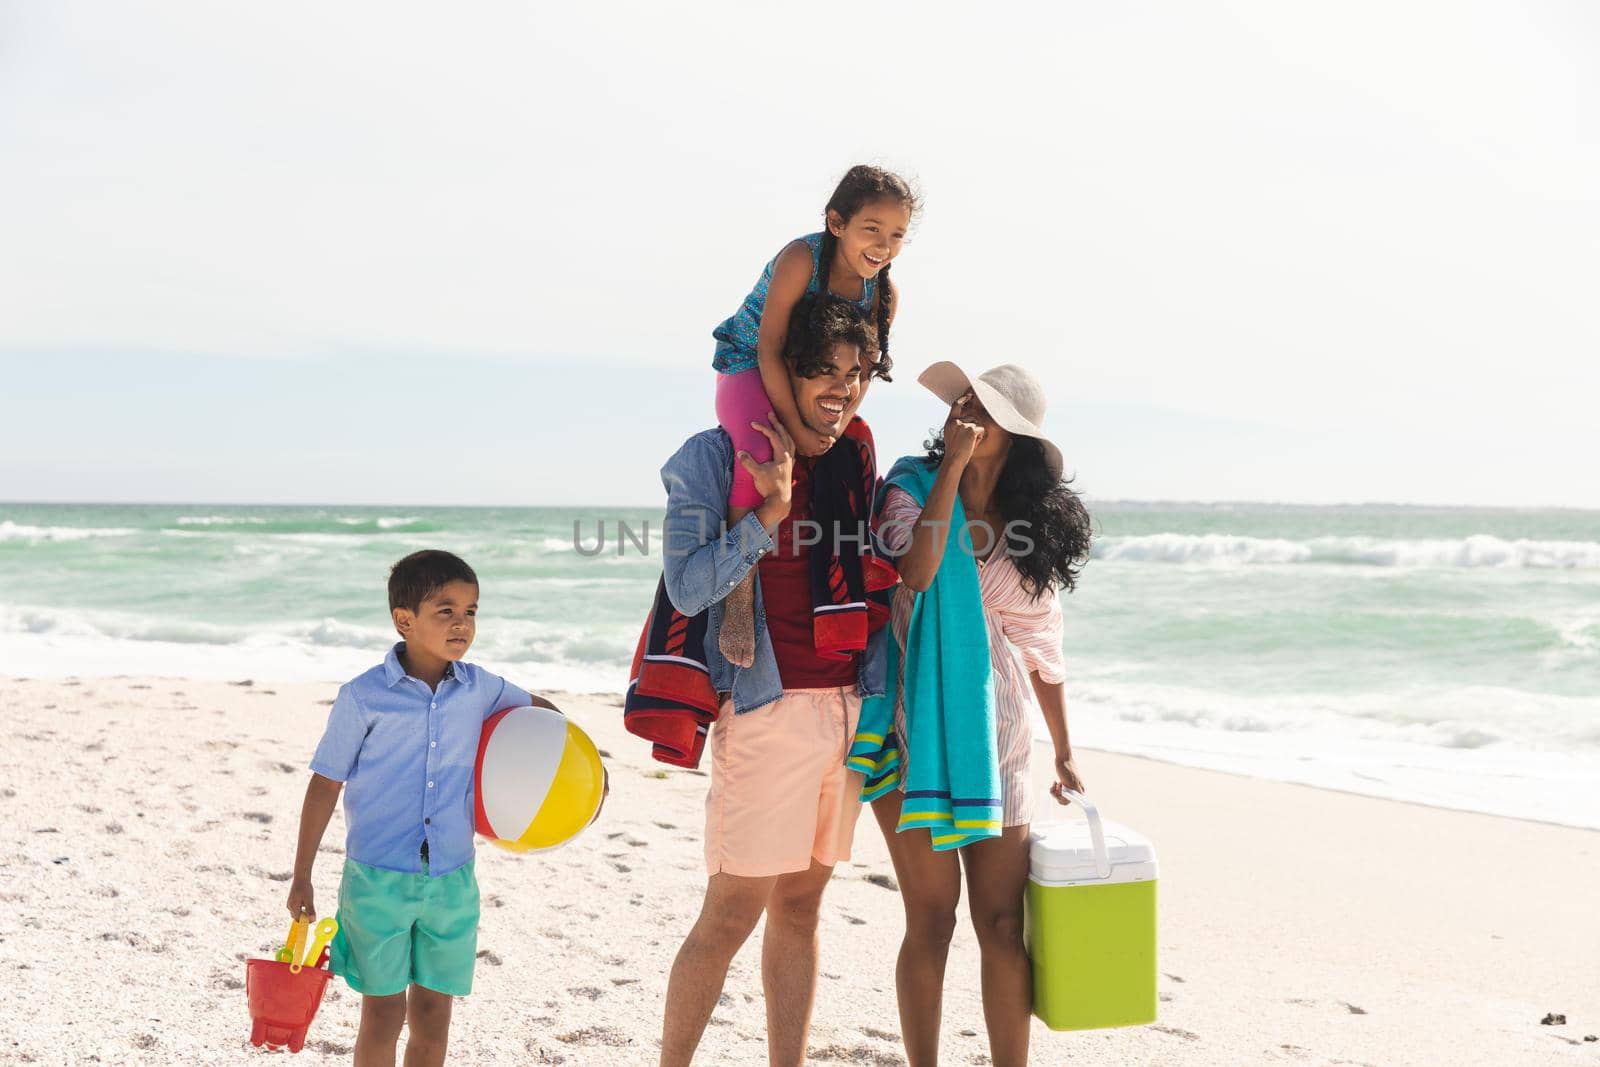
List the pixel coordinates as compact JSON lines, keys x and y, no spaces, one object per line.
{"x":953,"y":784}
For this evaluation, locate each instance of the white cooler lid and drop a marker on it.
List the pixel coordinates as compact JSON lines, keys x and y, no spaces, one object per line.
{"x":1062,"y":853}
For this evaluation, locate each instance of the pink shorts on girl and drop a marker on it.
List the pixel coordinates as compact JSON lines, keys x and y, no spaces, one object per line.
{"x":741,"y":400}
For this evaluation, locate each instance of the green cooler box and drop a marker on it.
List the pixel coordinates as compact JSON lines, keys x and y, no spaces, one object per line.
{"x":1091,"y":923}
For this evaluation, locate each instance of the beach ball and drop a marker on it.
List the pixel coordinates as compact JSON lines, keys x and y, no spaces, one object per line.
{"x":539,"y":779}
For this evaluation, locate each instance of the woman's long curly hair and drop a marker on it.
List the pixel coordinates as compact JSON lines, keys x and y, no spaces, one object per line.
{"x":1056,"y":521}
{"x":860,"y":186}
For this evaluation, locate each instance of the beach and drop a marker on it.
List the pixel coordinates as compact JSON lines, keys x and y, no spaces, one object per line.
{"x":148,"y":826}
{"x":324,"y":333}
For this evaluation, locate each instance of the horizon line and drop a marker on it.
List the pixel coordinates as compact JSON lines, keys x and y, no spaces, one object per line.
{"x":1174,"y":502}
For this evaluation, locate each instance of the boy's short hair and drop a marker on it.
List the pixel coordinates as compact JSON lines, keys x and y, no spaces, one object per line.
{"x":819,"y":323}
{"x":421,"y":574}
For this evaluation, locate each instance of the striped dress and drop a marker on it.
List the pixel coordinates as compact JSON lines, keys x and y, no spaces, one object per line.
{"x":1024,"y":636}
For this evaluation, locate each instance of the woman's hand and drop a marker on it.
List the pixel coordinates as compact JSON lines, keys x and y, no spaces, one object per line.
{"x":1067,"y":777}
{"x":960,"y":436}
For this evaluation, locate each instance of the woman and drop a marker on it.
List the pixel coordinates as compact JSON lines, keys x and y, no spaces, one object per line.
{"x":985,"y":531}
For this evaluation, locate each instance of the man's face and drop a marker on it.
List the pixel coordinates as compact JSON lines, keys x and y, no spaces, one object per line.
{"x":822,"y":399}
{"x":444,"y":624}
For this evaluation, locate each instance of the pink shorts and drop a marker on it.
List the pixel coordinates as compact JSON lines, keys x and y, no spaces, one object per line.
{"x":780,"y":795}
{"x":741,"y":400}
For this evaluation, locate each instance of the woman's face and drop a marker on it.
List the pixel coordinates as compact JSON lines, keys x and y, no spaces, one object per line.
{"x":996,"y":440}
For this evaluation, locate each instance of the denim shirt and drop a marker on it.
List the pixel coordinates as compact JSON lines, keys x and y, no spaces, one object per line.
{"x":703,"y":563}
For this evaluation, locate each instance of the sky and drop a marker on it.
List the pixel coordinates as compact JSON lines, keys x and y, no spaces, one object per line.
{"x":403,"y":253}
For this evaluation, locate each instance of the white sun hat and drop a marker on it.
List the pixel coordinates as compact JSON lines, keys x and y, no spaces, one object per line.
{"x":1011,"y":395}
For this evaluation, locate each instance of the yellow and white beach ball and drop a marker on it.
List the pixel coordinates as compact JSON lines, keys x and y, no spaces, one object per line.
{"x":539,"y":780}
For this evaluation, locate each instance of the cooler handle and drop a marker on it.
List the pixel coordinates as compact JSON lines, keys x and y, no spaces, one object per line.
{"x":1097,"y":836}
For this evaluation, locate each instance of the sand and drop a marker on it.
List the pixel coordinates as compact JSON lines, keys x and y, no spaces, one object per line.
{"x":148,"y":832}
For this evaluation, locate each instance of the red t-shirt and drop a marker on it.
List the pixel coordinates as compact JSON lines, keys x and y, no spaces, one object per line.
{"x":786,"y":599}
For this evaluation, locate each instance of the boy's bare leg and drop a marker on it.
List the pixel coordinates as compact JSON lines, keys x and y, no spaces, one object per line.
{"x":731,"y":909}
{"x":789,"y":962}
{"x":381,"y":1021}
{"x":737,"y":639}
{"x":427,"y":1026}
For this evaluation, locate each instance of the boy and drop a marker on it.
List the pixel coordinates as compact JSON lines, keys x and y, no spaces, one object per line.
{"x":404,"y":738}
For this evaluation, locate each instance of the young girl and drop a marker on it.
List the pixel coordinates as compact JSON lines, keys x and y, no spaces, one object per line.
{"x":865,"y":223}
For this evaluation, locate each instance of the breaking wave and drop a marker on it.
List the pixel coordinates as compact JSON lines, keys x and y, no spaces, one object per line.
{"x":1477,"y":551}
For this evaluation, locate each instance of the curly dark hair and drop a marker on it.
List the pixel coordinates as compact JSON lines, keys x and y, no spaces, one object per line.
{"x":860,"y":186}
{"x":820,"y":322}
{"x":1057,"y":525}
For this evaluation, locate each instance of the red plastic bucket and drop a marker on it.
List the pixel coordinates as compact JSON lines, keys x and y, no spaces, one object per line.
{"x":282,"y":1002}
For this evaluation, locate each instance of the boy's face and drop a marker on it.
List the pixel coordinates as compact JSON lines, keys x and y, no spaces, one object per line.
{"x":444,"y":624}
{"x":822,"y":400}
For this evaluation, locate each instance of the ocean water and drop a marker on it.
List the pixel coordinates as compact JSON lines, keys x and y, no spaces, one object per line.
{"x":1446,"y":656}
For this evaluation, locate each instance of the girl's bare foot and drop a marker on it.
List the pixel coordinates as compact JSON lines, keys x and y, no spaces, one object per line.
{"x":738,"y":637}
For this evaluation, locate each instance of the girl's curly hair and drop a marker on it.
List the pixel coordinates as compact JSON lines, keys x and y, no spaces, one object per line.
{"x":860,"y":186}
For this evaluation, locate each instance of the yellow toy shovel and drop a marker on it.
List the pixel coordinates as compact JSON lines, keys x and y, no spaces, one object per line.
{"x":326,"y":928}
{"x":290,"y":952}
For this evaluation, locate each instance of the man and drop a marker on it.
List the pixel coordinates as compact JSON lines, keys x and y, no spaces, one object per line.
{"x":782,"y":808}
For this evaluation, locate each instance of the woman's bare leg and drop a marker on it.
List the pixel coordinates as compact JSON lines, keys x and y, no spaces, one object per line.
{"x":930,"y":889}
{"x":997,"y":876}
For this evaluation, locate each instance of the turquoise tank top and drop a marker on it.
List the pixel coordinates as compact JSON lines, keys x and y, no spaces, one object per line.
{"x":737,"y":335}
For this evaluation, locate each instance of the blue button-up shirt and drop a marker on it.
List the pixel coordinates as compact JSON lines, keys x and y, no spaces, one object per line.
{"x":703,"y":563}
{"x":406,"y":755}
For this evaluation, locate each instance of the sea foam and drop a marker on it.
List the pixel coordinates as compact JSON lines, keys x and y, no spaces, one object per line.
{"x":1479,"y":550}
{"x":11,"y":531}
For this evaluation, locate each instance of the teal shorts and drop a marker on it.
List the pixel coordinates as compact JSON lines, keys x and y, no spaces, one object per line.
{"x":396,"y":929}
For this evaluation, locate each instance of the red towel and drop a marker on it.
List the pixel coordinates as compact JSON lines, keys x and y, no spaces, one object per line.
{"x":670,"y":701}
{"x":850,"y":588}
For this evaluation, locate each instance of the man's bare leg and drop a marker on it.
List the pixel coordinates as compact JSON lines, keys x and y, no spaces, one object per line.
{"x":730,"y":910}
{"x":789,"y":962}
